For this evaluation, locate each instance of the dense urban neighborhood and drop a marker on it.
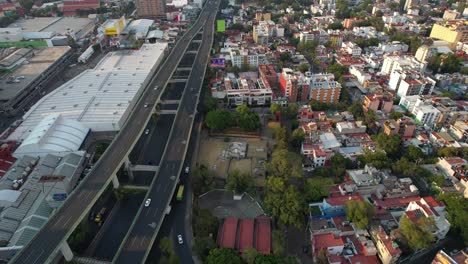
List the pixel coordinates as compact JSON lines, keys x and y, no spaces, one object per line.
{"x":234,"y":131}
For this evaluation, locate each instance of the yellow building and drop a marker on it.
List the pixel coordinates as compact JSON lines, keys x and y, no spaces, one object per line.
{"x":453,"y":31}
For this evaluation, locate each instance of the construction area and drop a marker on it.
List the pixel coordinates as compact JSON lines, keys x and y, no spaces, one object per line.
{"x":224,"y":155}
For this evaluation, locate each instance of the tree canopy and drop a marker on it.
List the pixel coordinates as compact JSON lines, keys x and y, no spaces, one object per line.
{"x":390,"y":144}
{"x":457,"y":213}
{"x":205,"y":223}
{"x":284,"y":202}
{"x":223,"y":255}
{"x":417,"y":235}
{"x":317,"y":188}
{"x":219,"y":119}
{"x":239,"y":182}
{"x":202,"y":180}
{"x":359,"y":212}
{"x":285,"y":164}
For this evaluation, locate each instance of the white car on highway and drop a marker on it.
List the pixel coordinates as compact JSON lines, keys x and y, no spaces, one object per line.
{"x":179,"y":238}
{"x":147,"y":202}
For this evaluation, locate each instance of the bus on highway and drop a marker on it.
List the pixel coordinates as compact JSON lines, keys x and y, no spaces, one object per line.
{"x":180,"y":193}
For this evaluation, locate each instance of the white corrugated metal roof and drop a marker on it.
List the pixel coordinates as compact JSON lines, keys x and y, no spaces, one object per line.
{"x":99,"y":97}
{"x":54,"y":134}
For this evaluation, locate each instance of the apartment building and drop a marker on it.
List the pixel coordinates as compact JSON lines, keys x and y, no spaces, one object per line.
{"x":410,"y":82}
{"x":265,"y":30}
{"x":351,"y":48}
{"x":426,"y":114}
{"x":268,"y":72}
{"x":324,"y":88}
{"x":294,"y":85}
{"x":387,"y":249}
{"x":452,"y":31}
{"x":376,"y":102}
{"x":318,"y":35}
{"x":406,"y":62}
{"x":245,"y":58}
{"x":404,"y":127}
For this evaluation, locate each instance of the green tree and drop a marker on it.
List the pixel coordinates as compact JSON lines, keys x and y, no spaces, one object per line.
{"x":250,"y":255}
{"x":223,"y":255}
{"x":376,"y":158}
{"x":239,"y":182}
{"x":315,"y":189}
{"x":284,"y":202}
{"x":417,"y":234}
{"x":338,"y":70}
{"x":167,"y":250}
{"x":390,"y":144}
{"x":203,"y":246}
{"x":165,"y":245}
{"x":292,"y":110}
{"x":279,"y":242}
{"x":249,"y":121}
{"x":297,"y":137}
{"x":357,"y":110}
{"x":303,"y":67}
{"x":205,"y":223}
{"x":282,"y":138}
{"x":335,"y":26}
{"x":414,"y":153}
{"x":285,"y":164}
{"x":285,"y":57}
{"x":396,"y":115}
{"x":202,"y":180}
{"x":275,"y":108}
{"x":457,"y":213}
{"x":219,"y":119}
{"x":405,"y":167}
{"x":359,"y":212}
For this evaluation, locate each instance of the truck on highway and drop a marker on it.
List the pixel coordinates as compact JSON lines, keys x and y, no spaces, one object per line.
{"x":180,"y":193}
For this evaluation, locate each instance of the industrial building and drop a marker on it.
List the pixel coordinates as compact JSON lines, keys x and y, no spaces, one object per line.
{"x":27,"y":72}
{"x":30,"y":191}
{"x":100,"y":98}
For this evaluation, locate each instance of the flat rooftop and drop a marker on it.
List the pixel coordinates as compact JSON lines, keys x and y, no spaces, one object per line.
{"x":99,"y":97}
{"x":58,"y":25}
{"x":38,"y":64}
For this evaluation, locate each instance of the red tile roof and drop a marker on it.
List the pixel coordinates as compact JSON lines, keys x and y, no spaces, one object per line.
{"x":394,"y":202}
{"x":263,"y":235}
{"x":227,"y":236}
{"x":324,"y":241}
{"x":433,"y":202}
{"x":246,"y":232}
{"x":361,"y":259}
{"x":341,"y":200}
{"x":391,"y":246}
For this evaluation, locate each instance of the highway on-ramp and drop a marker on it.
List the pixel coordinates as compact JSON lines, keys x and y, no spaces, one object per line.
{"x":46,"y":244}
{"x":141,"y":236}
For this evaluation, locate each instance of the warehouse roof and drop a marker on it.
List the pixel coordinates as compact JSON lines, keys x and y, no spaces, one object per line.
{"x":54,"y":134}
{"x":97,"y":98}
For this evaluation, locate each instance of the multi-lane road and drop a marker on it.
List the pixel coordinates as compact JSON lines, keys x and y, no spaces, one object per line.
{"x":46,"y":244}
{"x":141,"y":236}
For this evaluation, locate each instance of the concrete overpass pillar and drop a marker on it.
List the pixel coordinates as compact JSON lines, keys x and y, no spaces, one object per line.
{"x":115,"y":181}
{"x":128,"y":168}
{"x":66,"y":251}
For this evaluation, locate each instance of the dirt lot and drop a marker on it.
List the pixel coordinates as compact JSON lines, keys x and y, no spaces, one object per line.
{"x":211,"y":155}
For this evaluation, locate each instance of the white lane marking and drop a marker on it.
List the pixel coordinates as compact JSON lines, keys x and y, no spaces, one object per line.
{"x":38,"y":257}
{"x":156,"y":212}
{"x":131,"y":243}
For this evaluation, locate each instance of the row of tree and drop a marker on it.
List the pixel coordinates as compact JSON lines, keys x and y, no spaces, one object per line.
{"x":243,"y":117}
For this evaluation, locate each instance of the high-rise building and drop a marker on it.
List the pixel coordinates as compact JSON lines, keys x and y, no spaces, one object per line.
{"x":294,"y":85}
{"x":324,"y":88}
{"x":150,"y":8}
{"x":452,"y":31}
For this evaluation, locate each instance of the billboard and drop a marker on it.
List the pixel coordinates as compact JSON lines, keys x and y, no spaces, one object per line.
{"x":217,"y":63}
{"x":221,"y":25}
